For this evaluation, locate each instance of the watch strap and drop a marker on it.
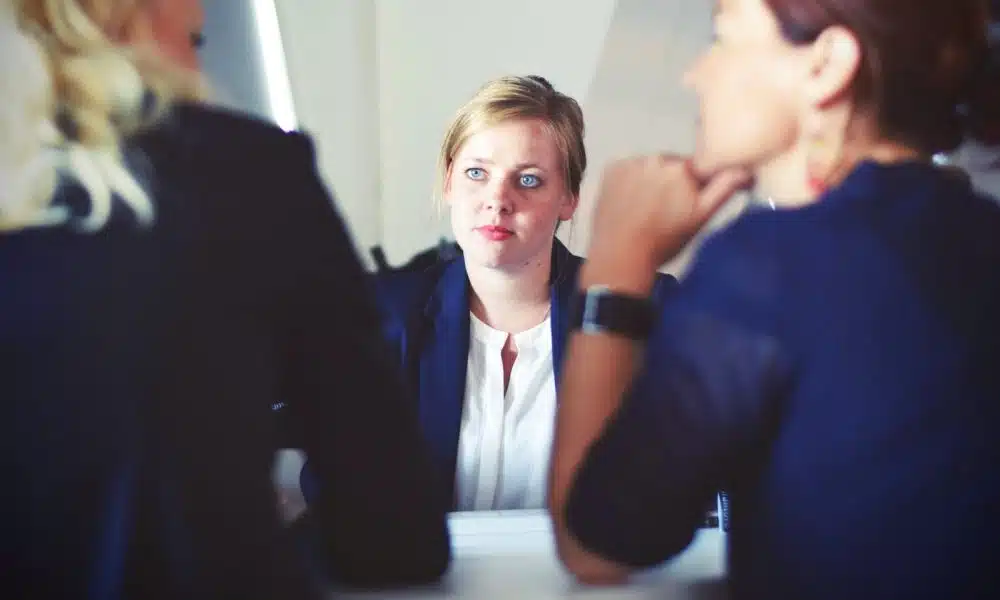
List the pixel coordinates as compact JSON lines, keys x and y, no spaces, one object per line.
{"x":599,"y":310}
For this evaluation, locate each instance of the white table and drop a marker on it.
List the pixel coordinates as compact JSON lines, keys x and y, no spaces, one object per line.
{"x":510,"y":555}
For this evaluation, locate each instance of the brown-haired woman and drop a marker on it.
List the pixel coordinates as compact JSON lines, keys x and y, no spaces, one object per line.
{"x":831,"y":363}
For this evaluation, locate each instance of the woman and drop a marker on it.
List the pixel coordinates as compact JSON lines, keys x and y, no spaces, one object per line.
{"x":830,"y":363}
{"x":480,"y":337}
{"x":170,"y":272}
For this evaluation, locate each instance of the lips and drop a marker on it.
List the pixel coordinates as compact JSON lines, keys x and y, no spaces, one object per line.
{"x":495,"y":232}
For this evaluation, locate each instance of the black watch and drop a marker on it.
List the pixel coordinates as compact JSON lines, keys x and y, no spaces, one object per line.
{"x":599,"y":310}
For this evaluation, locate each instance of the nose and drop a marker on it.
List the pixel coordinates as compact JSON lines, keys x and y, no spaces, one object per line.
{"x":499,"y":197}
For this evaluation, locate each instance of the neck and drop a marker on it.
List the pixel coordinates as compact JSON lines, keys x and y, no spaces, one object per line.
{"x":784,"y":180}
{"x":511,"y":300}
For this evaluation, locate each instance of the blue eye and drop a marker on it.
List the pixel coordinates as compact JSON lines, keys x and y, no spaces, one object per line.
{"x":530,"y":181}
{"x":475,"y":173}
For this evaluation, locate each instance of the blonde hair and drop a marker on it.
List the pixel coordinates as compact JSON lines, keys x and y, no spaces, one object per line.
{"x":72,"y":97}
{"x":519,"y":97}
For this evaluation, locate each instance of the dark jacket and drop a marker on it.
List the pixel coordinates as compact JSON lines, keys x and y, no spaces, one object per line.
{"x":426,"y":320}
{"x":834,"y":367}
{"x":138,"y":371}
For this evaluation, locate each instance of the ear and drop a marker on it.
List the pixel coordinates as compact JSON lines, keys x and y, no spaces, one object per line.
{"x":568,"y":207}
{"x":835,"y":59}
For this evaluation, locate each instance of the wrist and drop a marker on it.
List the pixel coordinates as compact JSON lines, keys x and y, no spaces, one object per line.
{"x":624,"y":275}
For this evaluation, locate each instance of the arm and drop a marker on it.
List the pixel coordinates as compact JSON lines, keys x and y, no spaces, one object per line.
{"x":646,"y":435}
{"x":378,"y":509}
{"x":596,"y":373}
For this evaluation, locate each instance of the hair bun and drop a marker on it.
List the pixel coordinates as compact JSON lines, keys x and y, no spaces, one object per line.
{"x":542,"y":82}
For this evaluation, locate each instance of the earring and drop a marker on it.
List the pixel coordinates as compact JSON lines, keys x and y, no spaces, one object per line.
{"x":825,"y":152}
{"x":817,"y":166}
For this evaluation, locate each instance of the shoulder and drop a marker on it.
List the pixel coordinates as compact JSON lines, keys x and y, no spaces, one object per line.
{"x":737,"y":273}
{"x":218,"y":162}
{"x":402,"y":293}
{"x":568,"y":268}
{"x":217,"y":135}
{"x":746,"y":247}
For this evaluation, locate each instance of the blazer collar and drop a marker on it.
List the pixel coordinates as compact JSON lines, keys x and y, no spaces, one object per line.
{"x":443,"y":360}
{"x":445,"y":350}
{"x":565,"y":267}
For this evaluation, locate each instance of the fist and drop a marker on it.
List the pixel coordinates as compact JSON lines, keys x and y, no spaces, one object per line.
{"x":650,"y":207}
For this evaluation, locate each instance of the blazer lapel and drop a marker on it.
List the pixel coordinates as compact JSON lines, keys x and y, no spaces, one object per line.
{"x":563,"y":277}
{"x":443,"y":363}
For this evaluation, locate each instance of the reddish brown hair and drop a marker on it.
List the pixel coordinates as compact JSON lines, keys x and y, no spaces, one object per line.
{"x":923,"y":62}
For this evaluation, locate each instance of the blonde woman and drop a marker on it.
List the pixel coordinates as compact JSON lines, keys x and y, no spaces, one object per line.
{"x":168,"y":273}
{"x":480,"y":337}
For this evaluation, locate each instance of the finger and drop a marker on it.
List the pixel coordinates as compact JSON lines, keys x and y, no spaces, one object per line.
{"x":721,"y":188}
{"x":671,"y":158}
{"x":695,"y":174}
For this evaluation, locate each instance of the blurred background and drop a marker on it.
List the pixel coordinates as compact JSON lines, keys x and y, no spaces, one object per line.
{"x":376,"y":82}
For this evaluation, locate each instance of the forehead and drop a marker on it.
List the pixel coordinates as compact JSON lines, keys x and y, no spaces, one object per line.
{"x":513,"y":142}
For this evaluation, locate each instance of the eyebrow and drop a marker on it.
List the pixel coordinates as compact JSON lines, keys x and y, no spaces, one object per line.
{"x":518,"y":167}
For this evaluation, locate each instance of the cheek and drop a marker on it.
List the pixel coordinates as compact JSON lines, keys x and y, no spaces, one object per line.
{"x":746,"y":116}
{"x":174,"y":40}
{"x":462,"y":211}
{"x":543,"y":215}
{"x":457,"y":210}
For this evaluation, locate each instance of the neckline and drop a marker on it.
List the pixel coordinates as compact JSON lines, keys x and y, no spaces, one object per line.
{"x":531,"y":337}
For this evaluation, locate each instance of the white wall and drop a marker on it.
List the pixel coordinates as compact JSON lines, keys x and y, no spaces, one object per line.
{"x":433,"y":55}
{"x":233,"y":58}
{"x":330,"y":56}
{"x":376,"y":82}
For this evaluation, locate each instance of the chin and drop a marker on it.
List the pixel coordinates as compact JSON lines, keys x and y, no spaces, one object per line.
{"x":704,"y":164}
{"x":707,"y":164}
{"x":486,"y":257}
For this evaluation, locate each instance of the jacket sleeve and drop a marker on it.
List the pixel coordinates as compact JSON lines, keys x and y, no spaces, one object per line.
{"x":702,"y":409}
{"x":378,"y":512}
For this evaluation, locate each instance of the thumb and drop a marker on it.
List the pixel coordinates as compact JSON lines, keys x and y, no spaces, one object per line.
{"x":721,"y":188}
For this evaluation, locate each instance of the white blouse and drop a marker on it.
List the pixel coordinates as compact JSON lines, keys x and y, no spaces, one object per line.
{"x":505,"y":439}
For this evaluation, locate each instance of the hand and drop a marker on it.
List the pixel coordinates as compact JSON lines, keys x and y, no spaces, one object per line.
{"x":650,"y":207}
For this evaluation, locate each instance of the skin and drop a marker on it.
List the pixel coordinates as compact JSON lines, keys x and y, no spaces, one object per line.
{"x":508,"y":176}
{"x":173,"y":26}
{"x":762,"y":104}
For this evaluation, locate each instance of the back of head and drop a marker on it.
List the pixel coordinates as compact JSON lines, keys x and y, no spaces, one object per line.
{"x":512,"y":98}
{"x":925,"y":67}
{"x":73,"y":93}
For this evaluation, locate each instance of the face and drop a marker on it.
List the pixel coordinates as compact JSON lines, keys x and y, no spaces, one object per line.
{"x":507,"y":194}
{"x":746,"y":84}
{"x":176,"y":28}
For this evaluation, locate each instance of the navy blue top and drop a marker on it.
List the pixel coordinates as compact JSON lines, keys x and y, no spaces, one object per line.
{"x":834,"y":368}
{"x":426,"y":320}
{"x":137,"y":372}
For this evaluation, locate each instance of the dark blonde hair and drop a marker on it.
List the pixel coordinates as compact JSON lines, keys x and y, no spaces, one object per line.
{"x":519,"y":97}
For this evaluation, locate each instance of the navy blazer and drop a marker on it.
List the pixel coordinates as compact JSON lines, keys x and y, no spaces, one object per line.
{"x":137,"y":371}
{"x":426,"y":320}
{"x":834,"y":368}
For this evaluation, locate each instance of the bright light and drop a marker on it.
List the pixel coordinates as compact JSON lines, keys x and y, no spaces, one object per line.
{"x":279,"y":90}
